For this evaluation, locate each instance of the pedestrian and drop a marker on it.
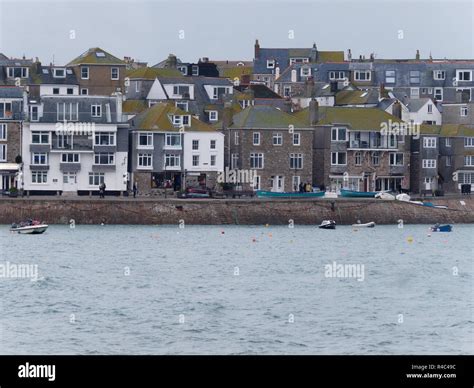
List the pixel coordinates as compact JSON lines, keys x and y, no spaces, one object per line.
{"x":301,"y":187}
{"x":135,"y":189}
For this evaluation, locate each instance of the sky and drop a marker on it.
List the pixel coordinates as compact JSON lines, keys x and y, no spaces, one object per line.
{"x":148,"y":30}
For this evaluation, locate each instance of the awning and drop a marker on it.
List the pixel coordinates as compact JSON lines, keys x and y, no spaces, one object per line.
{"x":9,"y":167}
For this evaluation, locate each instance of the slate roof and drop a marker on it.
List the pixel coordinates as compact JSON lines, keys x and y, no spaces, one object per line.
{"x":265,"y":117}
{"x":10,"y":92}
{"x":415,"y":104}
{"x":45,"y":76}
{"x":93,"y":56}
{"x":258,"y":90}
{"x":158,"y":118}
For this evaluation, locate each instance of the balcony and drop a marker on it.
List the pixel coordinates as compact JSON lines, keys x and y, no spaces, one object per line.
{"x":371,"y":141}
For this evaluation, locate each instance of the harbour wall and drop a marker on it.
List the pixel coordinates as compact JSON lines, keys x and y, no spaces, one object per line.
{"x":232,"y":212}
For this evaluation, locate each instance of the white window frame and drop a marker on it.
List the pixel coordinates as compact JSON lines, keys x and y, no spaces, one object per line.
{"x":257,"y":157}
{"x":110,"y":156}
{"x":110,"y":135}
{"x":3,"y":152}
{"x":149,"y":137}
{"x":336,"y":130}
{"x":256,"y":135}
{"x":278,"y":136}
{"x":213,"y":115}
{"x":469,"y":160}
{"x":82,"y":73}
{"x":117,"y":77}
{"x":174,"y":157}
{"x":447,"y":142}
{"x":213,"y":144}
{"x":463,"y":71}
{"x":463,"y":111}
{"x":141,"y":158}
{"x":296,"y":161}
{"x":271,"y":63}
{"x":358,"y":73}
{"x":429,"y":163}
{"x":429,"y":142}
{"x":3,"y":132}
{"x":37,"y":174}
{"x":193,"y":143}
{"x":296,"y":135}
{"x":168,"y":138}
{"x":195,"y":160}
{"x":96,"y":110}
{"x":469,"y":142}
{"x":393,"y":159}
{"x":439,"y":75}
{"x":336,"y":154}
{"x":439,"y":92}
{"x":74,"y":155}
{"x":99,"y":175}
{"x":390,"y":78}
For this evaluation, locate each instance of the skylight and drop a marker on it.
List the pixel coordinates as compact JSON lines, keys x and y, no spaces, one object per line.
{"x":363,"y":94}
{"x":45,"y":71}
{"x":100,"y":54}
{"x":69,"y":71}
{"x":326,"y":86}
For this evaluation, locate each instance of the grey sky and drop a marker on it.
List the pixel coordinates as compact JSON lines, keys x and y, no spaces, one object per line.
{"x":149,"y":30}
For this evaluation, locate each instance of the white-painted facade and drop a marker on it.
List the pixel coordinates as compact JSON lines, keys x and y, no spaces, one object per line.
{"x":209,"y":152}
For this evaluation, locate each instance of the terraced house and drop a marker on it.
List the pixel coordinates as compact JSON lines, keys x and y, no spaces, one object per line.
{"x":351,"y":152}
{"x":169,"y":148}
{"x":73,"y":143}
{"x":11,"y":119}
{"x":274,"y":144}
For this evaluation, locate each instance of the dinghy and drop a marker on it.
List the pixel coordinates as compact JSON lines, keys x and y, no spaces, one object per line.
{"x":327,"y":224}
{"x":366,"y":225}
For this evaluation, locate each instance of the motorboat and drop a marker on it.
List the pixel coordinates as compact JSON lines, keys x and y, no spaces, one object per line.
{"x":366,"y":225}
{"x":385,"y":195}
{"x":327,"y":224}
{"x":441,"y":228}
{"x":29,"y":227}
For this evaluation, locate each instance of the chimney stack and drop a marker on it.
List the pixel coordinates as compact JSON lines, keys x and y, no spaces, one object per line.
{"x":349,"y":55}
{"x":417,"y":55}
{"x":227,"y":116}
{"x":314,"y":53}
{"x":171,"y":61}
{"x":313,"y":112}
{"x":257,"y":49}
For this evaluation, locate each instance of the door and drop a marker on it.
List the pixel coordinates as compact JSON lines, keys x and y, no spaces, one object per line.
{"x":5,"y":182}
{"x":70,"y":181}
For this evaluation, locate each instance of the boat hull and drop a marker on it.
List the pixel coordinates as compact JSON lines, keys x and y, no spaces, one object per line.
{"x":274,"y":194}
{"x":442,"y":228}
{"x":35,"y":229}
{"x":367,"y":225}
{"x":357,"y":194}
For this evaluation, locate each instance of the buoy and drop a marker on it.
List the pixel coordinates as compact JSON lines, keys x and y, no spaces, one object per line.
{"x":222,"y":232}
{"x":254,"y":240}
{"x":410,"y":239}
{"x":267,"y":225}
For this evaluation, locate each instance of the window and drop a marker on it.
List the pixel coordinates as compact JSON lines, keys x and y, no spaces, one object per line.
{"x":195,"y":160}
{"x":270,"y":63}
{"x":447,"y":142}
{"x":55,"y":90}
{"x":195,"y":145}
{"x":145,"y":160}
{"x":96,"y":110}
{"x":414,"y":92}
{"x":213,"y":160}
{"x":449,"y":161}
{"x":390,"y":76}
{"x":114,"y":73}
{"x":39,"y":177}
{"x":68,"y":111}
{"x":296,"y":182}
{"x":70,"y":91}
{"x":430,"y":108}
{"x":375,"y":158}
{"x":183,"y":105}
{"x":358,"y":158}
{"x":213,"y":145}
{"x":298,"y":60}
{"x":338,"y":134}
{"x":438,"y":94}
{"x":256,"y":160}
{"x":104,"y":158}
{"x":362,"y":75}
{"x":84,"y":92}
{"x":84,"y":72}
{"x":277,"y":139}
{"x":429,"y":142}
{"x":180,"y":90}
{"x":173,"y":140}
{"x":296,"y":161}
{"x":3,"y":152}
{"x":6,"y":110}
{"x":145,"y":140}
{"x":396,"y":159}
{"x":236,"y":138}
{"x":195,"y":70}
{"x":305,"y":71}
{"x":338,"y":158}
{"x":234,"y":161}
{"x":96,"y":178}
{"x":69,"y":177}
{"x":466,"y":178}
{"x":172,"y":160}
{"x":104,"y":139}
{"x":40,"y":137}
{"x":463,"y":111}
{"x":34,"y":113}
{"x":3,"y":131}
{"x":256,"y":138}
{"x":59,"y":73}
{"x":183,"y":70}
{"x":439,"y":74}
{"x":469,"y":161}
{"x":17,"y":72}
{"x":69,"y":158}
{"x":429,"y":163}
{"x":414,"y":77}
{"x":213,"y":115}
{"x":464,"y":75}
{"x":286,"y":91}
{"x":296,"y":138}
{"x":218,"y":91}
{"x":179,"y":120}
{"x":469,"y":142}
{"x":337,"y":75}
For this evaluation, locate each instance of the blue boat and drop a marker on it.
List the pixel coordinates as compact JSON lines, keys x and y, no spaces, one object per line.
{"x":275,"y":194}
{"x":357,"y":194}
{"x":441,"y":228}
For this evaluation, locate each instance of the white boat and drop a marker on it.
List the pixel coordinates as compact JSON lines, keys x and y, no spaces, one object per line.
{"x":29,"y":229}
{"x":327,"y":224}
{"x":366,"y":225}
{"x":385,"y":195}
{"x":403,"y":197}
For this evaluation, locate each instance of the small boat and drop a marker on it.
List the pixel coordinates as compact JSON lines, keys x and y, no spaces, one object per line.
{"x":385,"y":195}
{"x":441,"y":228}
{"x":366,"y":225}
{"x":403,"y":197}
{"x":430,"y":204}
{"x":29,"y":227}
{"x":327,"y":224}
{"x":357,"y":194}
{"x":275,"y":194}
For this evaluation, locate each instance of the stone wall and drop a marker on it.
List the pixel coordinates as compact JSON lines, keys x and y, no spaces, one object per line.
{"x":245,"y":212}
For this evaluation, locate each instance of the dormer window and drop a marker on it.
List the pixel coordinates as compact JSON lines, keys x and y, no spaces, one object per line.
{"x":362,"y":75}
{"x":183,"y":105}
{"x":195,"y":70}
{"x":17,"y":72}
{"x":464,"y":75}
{"x":59,"y":73}
{"x":219,"y":91}
{"x":305,"y":71}
{"x":439,"y":74}
{"x":336,"y":75}
{"x":183,"y":70}
{"x":213,"y":115}
{"x":270,"y":63}
{"x":298,"y":60}
{"x":183,"y":120}
{"x":96,"y":110}
{"x":180,"y":90}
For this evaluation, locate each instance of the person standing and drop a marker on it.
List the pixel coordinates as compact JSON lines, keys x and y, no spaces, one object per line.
{"x":135,"y":189}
